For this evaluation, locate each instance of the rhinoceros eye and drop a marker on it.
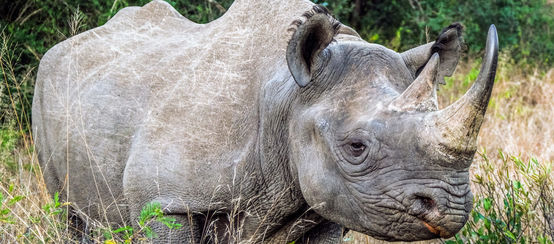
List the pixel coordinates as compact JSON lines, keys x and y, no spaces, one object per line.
{"x":356,"y":148}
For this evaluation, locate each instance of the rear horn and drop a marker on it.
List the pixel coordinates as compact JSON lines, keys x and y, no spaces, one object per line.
{"x":421,"y":95}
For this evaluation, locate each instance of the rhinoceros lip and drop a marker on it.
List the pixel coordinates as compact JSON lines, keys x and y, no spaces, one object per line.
{"x":437,"y":230}
{"x":431,"y":228}
{"x":427,"y":217}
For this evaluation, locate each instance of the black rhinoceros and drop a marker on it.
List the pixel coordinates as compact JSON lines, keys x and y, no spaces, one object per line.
{"x":272,"y":123}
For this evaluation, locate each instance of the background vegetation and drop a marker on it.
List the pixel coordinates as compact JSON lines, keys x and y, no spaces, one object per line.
{"x":513,"y":188}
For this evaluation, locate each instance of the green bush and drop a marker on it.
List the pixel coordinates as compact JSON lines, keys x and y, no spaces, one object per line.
{"x":513,"y":203}
{"x":9,"y":139}
{"x":150,"y":213}
{"x":524,"y":27}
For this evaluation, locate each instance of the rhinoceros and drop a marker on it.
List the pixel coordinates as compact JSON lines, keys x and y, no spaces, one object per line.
{"x":272,"y":123}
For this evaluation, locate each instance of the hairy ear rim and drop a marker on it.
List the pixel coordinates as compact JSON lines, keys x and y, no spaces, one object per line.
{"x":309,"y":39}
{"x":449,"y":44}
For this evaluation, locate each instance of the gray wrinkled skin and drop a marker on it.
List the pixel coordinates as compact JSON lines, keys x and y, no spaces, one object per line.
{"x":287,"y":134}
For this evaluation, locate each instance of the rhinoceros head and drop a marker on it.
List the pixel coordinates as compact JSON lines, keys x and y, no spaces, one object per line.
{"x":369,"y":146}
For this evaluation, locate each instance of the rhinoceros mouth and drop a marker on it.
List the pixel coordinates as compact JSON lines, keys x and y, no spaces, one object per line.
{"x":436,"y":230}
{"x":432,"y":222}
{"x":431,"y":228}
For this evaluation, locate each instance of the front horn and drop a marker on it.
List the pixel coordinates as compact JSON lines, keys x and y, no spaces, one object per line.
{"x":458,"y":124}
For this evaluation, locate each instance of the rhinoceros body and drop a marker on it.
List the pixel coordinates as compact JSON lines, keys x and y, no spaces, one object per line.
{"x":225,"y":124}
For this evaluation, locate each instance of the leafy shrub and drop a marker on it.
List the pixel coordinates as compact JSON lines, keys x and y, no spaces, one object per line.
{"x":54,"y":215}
{"x":8,"y":142}
{"x":151,"y":212}
{"x":6,"y":203}
{"x":513,"y":203}
{"x":524,"y":27}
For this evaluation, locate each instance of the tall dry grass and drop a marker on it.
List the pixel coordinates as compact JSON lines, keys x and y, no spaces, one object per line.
{"x":25,"y":204}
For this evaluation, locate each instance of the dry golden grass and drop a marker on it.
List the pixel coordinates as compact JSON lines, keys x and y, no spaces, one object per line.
{"x":30,"y":220}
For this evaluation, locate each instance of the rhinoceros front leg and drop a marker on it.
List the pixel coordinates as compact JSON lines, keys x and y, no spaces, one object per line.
{"x":324,"y":233}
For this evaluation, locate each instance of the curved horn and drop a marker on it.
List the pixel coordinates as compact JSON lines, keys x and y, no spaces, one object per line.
{"x":421,"y":95}
{"x":459,"y":123}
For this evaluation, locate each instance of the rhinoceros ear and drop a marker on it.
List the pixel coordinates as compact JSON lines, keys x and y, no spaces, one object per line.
{"x":449,"y":47}
{"x":309,"y":39}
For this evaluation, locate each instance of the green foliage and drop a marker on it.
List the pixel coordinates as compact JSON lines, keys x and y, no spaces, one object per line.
{"x":341,"y":9}
{"x":54,"y":215}
{"x":8,"y":142}
{"x":10,"y":146}
{"x":7,"y":204}
{"x":201,"y":11}
{"x":55,"y":207}
{"x":524,"y":27}
{"x":151,"y":212}
{"x":13,"y":199}
{"x":512,"y":203}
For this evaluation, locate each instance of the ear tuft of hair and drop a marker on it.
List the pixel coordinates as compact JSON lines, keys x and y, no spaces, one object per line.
{"x":317,"y":9}
{"x":444,"y":39}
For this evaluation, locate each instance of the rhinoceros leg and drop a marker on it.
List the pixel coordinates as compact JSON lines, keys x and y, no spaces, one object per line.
{"x":324,"y":233}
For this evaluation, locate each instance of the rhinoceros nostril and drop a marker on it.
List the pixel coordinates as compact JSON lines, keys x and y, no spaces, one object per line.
{"x":427,"y":202}
{"x":423,"y":205}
